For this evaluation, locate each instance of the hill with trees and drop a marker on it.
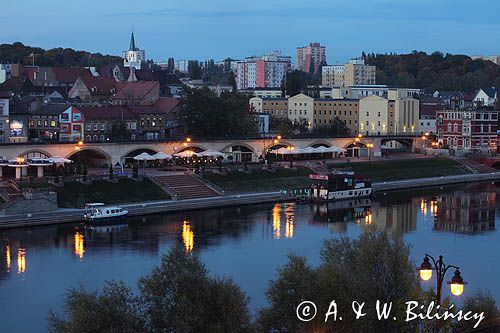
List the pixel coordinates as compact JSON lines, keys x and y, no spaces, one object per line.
{"x":434,"y":71}
{"x":67,"y":57}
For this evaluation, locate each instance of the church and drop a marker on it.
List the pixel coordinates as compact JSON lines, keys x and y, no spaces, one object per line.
{"x":133,"y":57}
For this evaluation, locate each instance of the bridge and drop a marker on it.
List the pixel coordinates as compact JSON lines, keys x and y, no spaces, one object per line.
{"x":237,"y":149}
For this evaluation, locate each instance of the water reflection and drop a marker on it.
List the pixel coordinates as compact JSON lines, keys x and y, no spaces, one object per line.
{"x":466,"y":211}
{"x":21,"y":260}
{"x":7,"y":257}
{"x":239,"y":241}
{"x":79,"y":245}
{"x":187,"y":236}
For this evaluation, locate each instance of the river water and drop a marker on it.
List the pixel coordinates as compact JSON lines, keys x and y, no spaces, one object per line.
{"x":37,"y":265}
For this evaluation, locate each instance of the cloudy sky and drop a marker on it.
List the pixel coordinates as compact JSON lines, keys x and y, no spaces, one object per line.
{"x":203,"y":29}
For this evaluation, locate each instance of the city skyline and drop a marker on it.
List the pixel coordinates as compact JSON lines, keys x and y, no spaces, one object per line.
{"x":188,"y":31}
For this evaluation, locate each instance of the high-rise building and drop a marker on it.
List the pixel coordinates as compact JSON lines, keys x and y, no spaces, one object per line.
{"x":356,"y":72}
{"x":311,"y":57}
{"x":266,"y":71}
{"x":133,"y":57}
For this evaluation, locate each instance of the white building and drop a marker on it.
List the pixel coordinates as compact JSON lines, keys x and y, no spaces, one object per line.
{"x":486,"y":97}
{"x":355,"y":72}
{"x":5,"y":71}
{"x":301,"y":109}
{"x":133,"y":57}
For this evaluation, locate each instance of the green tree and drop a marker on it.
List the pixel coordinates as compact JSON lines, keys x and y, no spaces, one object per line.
{"x":178,"y":296}
{"x":480,"y":302}
{"x":115,"y":309}
{"x":370,"y":268}
{"x":194,"y":69}
{"x":208,"y":116}
{"x":119,"y":131}
{"x":337,"y":128}
{"x":231,"y":80}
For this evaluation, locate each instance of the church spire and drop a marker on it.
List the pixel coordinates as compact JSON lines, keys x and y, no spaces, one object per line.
{"x":132,"y":42}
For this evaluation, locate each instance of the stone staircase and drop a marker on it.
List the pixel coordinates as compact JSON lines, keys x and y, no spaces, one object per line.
{"x":10,"y":191}
{"x":184,"y":186}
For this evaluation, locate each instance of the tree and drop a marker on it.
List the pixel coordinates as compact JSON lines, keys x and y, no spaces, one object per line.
{"x":481,"y":302}
{"x":337,"y":128}
{"x":370,"y":268}
{"x":178,"y":296}
{"x":171,"y":65}
{"x":231,"y":80}
{"x":119,"y":131}
{"x":208,"y":116}
{"x":194,"y":69}
{"x":116,"y":309}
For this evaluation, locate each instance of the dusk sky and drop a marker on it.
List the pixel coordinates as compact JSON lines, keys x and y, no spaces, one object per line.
{"x":204,"y":29}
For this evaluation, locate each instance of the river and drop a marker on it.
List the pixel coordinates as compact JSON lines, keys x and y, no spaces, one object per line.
{"x":37,"y":265}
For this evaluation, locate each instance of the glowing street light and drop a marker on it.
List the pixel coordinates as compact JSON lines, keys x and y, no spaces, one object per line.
{"x":457,"y":283}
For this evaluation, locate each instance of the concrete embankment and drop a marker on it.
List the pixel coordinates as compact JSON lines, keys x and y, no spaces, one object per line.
{"x":434,"y":181}
{"x":154,"y":207}
{"x":151,"y":207}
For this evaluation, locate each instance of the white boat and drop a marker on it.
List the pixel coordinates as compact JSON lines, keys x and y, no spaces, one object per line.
{"x":99,"y":211}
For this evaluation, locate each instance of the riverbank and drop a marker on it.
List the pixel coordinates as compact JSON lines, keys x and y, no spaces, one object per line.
{"x":154,"y":207}
{"x":379,"y":171}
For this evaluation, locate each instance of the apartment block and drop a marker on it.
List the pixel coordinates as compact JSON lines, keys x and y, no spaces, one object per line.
{"x":311,"y":57}
{"x":356,"y":72}
{"x":266,"y":71}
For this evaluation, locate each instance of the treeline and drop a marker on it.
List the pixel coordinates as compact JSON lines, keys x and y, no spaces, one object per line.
{"x":66,"y":57}
{"x":434,"y":71}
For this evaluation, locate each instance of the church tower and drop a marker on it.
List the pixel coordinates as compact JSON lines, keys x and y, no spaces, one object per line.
{"x":133,"y":57}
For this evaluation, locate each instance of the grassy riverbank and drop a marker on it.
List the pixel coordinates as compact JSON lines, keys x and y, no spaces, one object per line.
{"x":76,"y":195}
{"x":407,"y":169}
{"x":262,"y":181}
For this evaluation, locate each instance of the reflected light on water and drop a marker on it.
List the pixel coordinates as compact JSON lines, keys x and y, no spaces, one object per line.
{"x":277,"y":221}
{"x":423,"y":206}
{"x":79,"y":245}
{"x":368,"y":218}
{"x":187,"y":236}
{"x":7,"y":255}
{"x":289,"y":218}
{"x":434,"y":207}
{"x":21,"y":260}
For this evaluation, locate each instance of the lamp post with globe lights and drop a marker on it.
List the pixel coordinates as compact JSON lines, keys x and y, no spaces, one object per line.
{"x":429,"y":265}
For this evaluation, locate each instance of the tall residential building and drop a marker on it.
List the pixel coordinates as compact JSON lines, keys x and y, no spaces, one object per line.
{"x":133,"y":57}
{"x":356,"y":72}
{"x":266,"y":71}
{"x":313,"y":55}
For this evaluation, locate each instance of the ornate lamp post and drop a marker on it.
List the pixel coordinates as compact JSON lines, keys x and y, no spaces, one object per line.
{"x":429,"y":264}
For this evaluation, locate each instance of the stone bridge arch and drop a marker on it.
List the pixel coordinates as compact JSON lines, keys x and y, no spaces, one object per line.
{"x":35,"y":153}
{"x":91,"y":156}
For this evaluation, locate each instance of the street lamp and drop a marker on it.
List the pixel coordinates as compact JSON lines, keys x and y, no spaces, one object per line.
{"x":369,"y":146}
{"x":276,"y":140}
{"x":427,"y":267}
